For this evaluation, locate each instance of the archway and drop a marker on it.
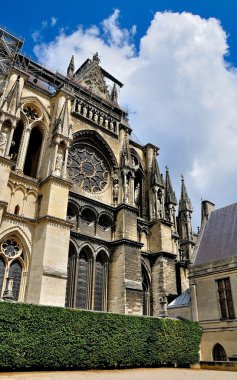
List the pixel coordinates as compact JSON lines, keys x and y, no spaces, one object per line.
{"x":33,"y":153}
{"x":101,"y":273}
{"x":219,"y":353}
{"x":16,"y":141}
{"x":145,"y":292}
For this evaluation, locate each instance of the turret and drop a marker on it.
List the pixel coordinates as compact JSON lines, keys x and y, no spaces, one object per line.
{"x":157,"y":191}
{"x":170,"y":199}
{"x":71,"y":68}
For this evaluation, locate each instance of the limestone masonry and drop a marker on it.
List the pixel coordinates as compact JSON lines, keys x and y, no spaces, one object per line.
{"x":86,"y":218}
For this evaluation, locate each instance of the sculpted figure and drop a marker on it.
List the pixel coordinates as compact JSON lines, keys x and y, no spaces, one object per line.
{"x":101,"y":119}
{"x":59,"y":163}
{"x":96,"y":117}
{"x":3,"y":141}
{"x":115,"y":192}
{"x":106,"y":123}
{"x":84,"y":111}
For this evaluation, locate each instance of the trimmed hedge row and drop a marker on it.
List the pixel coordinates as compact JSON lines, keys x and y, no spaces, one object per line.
{"x":53,"y":338}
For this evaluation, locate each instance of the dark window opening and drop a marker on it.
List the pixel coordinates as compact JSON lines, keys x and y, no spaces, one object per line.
{"x":33,"y":153}
{"x":71,"y":272}
{"x":145,"y":292}
{"x":225,"y":299}
{"x":17,"y":210}
{"x":219,"y":353}
{"x":82,"y":283}
{"x":16,"y":141}
{"x":88,"y":217}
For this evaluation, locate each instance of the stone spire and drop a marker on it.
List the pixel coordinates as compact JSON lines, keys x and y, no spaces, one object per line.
{"x":184,"y":202}
{"x":12,"y":99}
{"x":114,"y":94}
{"x":170,"y":196}
{"x":71,"y":68}
{"x":156,"y":178}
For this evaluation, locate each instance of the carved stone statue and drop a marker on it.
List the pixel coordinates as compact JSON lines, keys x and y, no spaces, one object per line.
{"x":137,"y":194}
{"x":90,"y":114}
{"x":59,"y":164}
{"x":111,"y":126}
{"x":106,"y":123}
{"x":3,"y":141}
{"x":115,"y":192}
{"x":96,"y":117}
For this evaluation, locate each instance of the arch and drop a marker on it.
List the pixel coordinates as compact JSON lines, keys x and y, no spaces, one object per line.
{"x":88,"y":215}
{"x":35,"y":101}
{"x":101,"y":274}
{"x":19,"y":234}
{"x":139,"y":160}
{"x":84,"y":279}
{"x":33,"y":154}
{"x":105,"y":221}
{"x":72,"y":212}
{"x":218,"y":353}
{"x":71,"y":272}
{"x":96,"y":140}
{"x":146,"y":285}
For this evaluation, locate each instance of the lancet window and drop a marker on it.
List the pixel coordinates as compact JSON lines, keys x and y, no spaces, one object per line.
{"x":87,"y":280}
{"x":12,"y":266}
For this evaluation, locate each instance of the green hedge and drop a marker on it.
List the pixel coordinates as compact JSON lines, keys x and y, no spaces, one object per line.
{"x":41,"y":337}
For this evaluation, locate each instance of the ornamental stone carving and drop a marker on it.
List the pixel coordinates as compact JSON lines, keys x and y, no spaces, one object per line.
{"x":88,"y":169}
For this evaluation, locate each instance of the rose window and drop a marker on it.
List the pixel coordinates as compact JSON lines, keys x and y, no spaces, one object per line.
{"x":11,"y":248}
{"x":31,"y":112}
{"x":88,"y":169}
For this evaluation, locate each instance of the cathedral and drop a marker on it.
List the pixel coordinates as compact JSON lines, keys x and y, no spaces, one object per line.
{"x":87,"y":220}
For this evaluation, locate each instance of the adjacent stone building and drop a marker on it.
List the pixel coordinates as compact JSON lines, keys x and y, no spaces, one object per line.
{"x":213,"y":283}
{"x":86,"y":218}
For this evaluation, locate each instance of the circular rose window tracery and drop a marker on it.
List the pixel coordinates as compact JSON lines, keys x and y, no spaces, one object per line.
{"x":11,"y":248}
{"x":88,"y":169}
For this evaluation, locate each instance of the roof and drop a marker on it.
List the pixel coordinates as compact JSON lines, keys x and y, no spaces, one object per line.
{"x":182,"y":300}
{"x":219,"y":239}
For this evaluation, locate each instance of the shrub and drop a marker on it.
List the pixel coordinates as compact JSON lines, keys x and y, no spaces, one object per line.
{"x":53,"y":338}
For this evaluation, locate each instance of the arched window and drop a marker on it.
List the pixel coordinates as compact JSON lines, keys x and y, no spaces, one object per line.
{"x":101,"y":273}
{"x":87,"y":279}
{"x":219,"y":353}
{"x":145,"y":292}
{"x":71,"y":272}
{"x":15,"y":273}
{"x":83,"y":281}
{"x":88,"y":217}
{"x":12,"y":264}
{"x":33,"y":153}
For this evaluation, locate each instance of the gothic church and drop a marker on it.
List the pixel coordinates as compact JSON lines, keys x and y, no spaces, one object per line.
{"x":86,"y":218}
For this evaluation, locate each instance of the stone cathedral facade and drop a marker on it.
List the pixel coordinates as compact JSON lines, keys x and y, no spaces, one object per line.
{"x":86,"y":218}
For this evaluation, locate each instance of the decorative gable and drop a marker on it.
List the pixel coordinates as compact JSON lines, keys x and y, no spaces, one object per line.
{"x":91,"y":77}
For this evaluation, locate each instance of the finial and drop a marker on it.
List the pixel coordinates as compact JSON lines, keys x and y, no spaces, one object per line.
{"x":182,"y":177}
{"x":166,"y":167}
{"x":96,"y":58}
{"x":71,"y":68}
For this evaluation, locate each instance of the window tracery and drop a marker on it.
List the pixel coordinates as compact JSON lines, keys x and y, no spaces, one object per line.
{"x":31,"y":112}
{"x":88,"y":169}
{"x":11,"y":264}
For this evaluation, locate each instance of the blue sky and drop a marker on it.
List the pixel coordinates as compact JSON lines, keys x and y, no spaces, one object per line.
{"x":179,"y":71}
{"x":24,"y":17}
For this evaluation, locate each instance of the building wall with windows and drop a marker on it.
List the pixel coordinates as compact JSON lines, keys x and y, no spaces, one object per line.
{"x":213,"y":285}
{"x":86,"y":218}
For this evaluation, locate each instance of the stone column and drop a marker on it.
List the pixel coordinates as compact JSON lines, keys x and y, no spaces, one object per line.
{"x":64,"y":174}
{"x":23,"y":149}
{"x":194,"y":305}
{"x":9,"y":140}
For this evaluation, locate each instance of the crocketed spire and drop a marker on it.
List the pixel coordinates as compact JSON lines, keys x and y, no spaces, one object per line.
{"x":170,"y":196}
{"x":156,"y":178}
{"x":184,"y":202}
{"x":71,"y":68}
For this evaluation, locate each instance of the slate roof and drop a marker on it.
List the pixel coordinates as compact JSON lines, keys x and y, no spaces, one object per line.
{"x":182,"y":300}
{"x":219,"y":239}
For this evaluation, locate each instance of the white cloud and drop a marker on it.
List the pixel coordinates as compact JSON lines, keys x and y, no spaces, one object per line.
{"x":181,"y":93}
{"x":53,"y":21}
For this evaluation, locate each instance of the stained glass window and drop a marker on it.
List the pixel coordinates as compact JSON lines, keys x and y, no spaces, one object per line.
{"x":15,"y":273}
{"x":88,"y":169}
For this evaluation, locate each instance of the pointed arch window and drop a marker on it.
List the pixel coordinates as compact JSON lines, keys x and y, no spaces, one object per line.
{"x":33,"y":153}
{"x":12,"y":265}
{"x":100,"y":291}
{"x":15,"y":272}
{"x":219,"y":353}
{"x":145,"y":292}
{"x":87,"y":280}
{"x":16,"y":141}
